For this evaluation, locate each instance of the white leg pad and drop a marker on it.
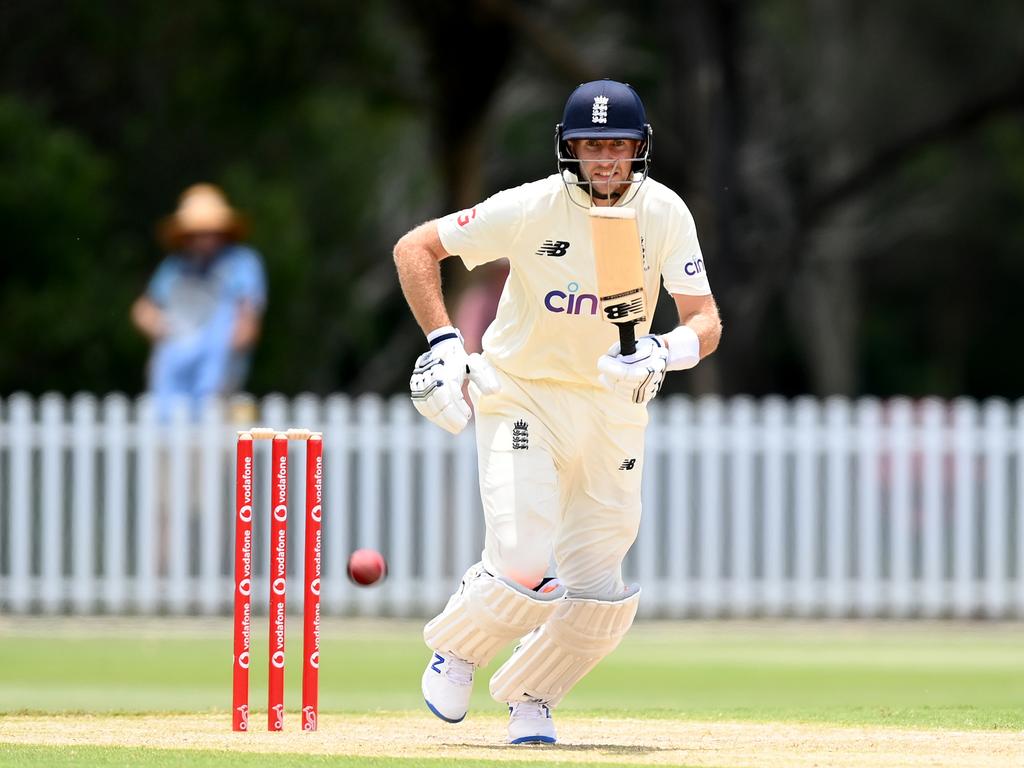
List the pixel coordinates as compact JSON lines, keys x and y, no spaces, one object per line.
{"x":548,"y":663}
{"x":486,"y":614}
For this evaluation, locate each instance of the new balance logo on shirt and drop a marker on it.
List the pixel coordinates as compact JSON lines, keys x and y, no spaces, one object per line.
{"x":554,"y":248}
{"x":628,"y":464}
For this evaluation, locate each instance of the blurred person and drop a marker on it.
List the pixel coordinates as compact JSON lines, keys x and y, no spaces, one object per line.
{"x":204,"y":305}
{"x":560,"y":414}
{"x":476,"y":307}
{"x":202,"y":310}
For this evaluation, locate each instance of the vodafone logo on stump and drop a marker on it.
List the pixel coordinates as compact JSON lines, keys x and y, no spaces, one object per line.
{"x":245,"y":515}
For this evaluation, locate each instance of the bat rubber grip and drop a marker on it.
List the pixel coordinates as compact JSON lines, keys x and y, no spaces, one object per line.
{"x":627,"y":339}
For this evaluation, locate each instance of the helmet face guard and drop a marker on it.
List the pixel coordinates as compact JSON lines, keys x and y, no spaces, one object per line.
{"x":571,"y":173}
{"x":603,"y":109}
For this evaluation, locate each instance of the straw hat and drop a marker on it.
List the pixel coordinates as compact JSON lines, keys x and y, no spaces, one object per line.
{"x":201,"y":208}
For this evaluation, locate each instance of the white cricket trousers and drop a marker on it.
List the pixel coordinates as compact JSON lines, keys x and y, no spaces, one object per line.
{"x":560,"y":470}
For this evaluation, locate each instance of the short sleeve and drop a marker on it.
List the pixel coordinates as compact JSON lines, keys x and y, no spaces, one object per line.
{"x":160,"y":284}
{"x":248,"y":279}
{"x":683,"y":269}
{"x":485,"y":232}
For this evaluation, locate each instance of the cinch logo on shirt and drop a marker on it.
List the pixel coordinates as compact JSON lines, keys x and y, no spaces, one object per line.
{"x":694,"y":266}
{"x":571,"y":301}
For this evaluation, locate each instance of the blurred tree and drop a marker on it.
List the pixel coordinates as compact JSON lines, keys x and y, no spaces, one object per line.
{"x":56,"y":290}
{"x":306,"y":115}
{"x":795,"y":119}
{"x":856,"y":172}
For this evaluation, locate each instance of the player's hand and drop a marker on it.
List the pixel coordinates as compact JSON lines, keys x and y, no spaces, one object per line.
{"x":437,"y":379}
{"x":637,"y":377}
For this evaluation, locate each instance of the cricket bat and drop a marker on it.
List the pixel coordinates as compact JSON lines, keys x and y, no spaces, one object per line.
{"x":618,"y":262}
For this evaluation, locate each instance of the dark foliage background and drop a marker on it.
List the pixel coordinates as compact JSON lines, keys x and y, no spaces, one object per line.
{"x":856,"y":170}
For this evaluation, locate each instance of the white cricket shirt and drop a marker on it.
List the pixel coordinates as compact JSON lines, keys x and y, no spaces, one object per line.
{"x":547,"y":324}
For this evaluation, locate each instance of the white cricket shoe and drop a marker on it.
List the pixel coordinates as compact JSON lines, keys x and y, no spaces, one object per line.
{"x":447,"y":686}
{"x":530,"y":723}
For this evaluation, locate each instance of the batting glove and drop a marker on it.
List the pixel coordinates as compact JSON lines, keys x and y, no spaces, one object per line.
{"x":637,"y":377}
{"x":437,"y":379}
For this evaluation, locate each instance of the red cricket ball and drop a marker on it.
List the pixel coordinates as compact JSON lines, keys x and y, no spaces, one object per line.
{"x":366,"y":567}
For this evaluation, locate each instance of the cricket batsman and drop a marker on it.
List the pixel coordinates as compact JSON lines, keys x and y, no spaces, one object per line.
{"x":560,"y":413}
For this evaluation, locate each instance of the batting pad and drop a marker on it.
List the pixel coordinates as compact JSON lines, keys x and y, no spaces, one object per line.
{"x":548,"y":663}
{"x":486,"y":614}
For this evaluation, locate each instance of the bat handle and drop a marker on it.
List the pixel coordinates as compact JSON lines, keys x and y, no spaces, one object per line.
{"x":627,"y":339}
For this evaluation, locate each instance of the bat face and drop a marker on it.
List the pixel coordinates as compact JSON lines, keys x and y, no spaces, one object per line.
{"x":618,"y":263}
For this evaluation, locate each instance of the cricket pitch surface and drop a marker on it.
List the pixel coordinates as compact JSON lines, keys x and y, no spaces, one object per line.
{"x":592,"y":739}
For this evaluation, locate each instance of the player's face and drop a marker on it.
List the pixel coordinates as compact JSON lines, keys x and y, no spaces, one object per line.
{"x":605,"y":163}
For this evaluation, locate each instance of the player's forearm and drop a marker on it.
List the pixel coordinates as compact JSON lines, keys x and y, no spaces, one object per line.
{"x":708,"y":328}
{"x":419,"y":274}
{"x":699,"y":330}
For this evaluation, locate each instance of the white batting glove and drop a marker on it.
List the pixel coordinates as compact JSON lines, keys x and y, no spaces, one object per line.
{"x":637,"y":377}
{"x":437,"y":379}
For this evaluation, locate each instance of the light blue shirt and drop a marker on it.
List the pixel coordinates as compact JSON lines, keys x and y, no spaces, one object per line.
{"x":201,"y":303}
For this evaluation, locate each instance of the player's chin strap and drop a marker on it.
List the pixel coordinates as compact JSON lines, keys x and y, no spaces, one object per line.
{"x":572,"y":181}
{"x":599,"y":196}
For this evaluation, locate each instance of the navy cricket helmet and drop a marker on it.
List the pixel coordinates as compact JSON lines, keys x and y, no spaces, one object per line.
{"x":603,"y":109}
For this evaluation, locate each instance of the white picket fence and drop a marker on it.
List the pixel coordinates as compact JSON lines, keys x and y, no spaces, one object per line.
{"x":751,"y":507}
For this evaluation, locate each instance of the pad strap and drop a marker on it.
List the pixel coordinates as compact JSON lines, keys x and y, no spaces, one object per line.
{"x":486,"y":614}
{"x":548,"y":663}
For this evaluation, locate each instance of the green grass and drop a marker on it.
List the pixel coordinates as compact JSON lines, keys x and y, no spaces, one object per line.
{"x":946,"y":676}
{"x":957,"y":676}
{"x":106,"y":757}
{"x":934,"y":676}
